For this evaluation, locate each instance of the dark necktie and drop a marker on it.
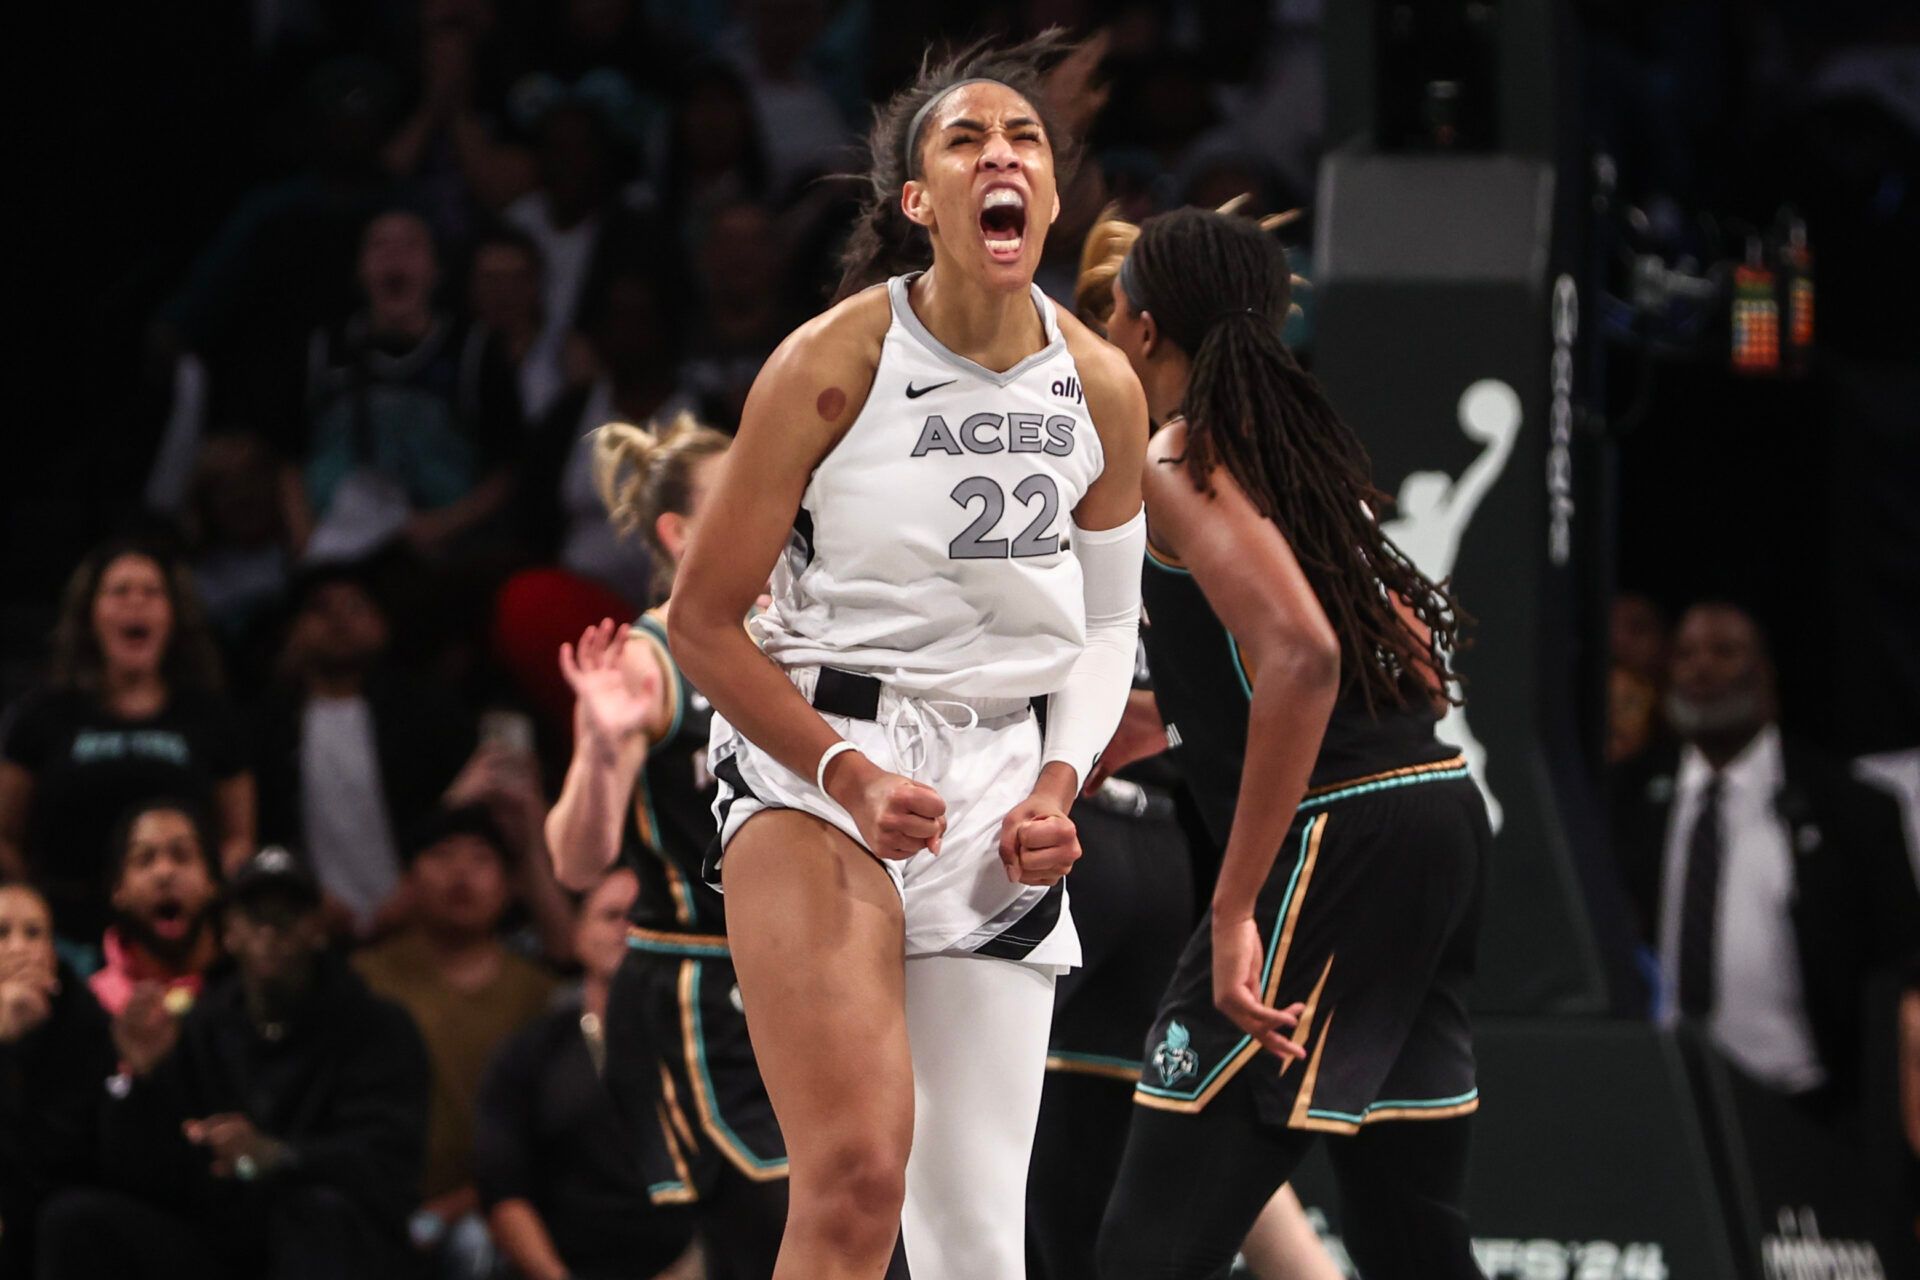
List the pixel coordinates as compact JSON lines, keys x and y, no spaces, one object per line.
{"x":1700,"y":904}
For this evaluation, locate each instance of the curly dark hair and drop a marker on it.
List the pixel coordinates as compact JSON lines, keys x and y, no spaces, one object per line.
{"x":885,"y":242}
{"x":192,"y":660}
{"x":1218,"y":288}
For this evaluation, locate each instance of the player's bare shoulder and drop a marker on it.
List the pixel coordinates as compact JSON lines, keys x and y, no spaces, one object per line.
{"x":827,"y":363}
{"x":1114,"y":399}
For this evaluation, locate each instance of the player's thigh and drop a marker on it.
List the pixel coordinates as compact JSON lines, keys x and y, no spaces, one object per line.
{"x":815,"y":928}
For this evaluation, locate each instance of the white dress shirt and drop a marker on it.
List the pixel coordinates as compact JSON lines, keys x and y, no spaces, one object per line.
{"x":1759,"y":1017}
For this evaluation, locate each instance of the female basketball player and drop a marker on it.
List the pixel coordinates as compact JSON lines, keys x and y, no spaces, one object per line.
{"x":1134,"y":890}
{"x":1297,"y":658}
{"x":946,"y":471}
{"x":678,"y":1063}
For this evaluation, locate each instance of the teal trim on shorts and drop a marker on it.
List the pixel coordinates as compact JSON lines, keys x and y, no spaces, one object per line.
{"x":706,"y":1082}
{"x":694,"y":950}
{"x":662,"y":1188}
{"x":1094,"y":1059}
{"x":1387,"y":784}
{"x":1390,"y":1104}
{"x":1266,"y":970}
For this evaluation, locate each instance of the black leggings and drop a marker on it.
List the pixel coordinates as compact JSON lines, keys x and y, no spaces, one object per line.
{"x":1191,"y":1186}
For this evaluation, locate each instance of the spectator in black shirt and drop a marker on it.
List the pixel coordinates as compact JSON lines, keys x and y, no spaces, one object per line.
{"x":412,"y":413}
{"x":556,"y":1169}
{"x":132,"y":711}
{"x":54,"y":1052}
{"x":276,"y":1131}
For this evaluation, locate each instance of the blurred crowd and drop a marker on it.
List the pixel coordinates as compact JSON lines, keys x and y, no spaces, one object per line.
{"x":286,"y":985}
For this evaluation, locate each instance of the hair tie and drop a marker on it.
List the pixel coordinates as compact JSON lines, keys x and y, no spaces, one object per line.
{"x":1229,"y":313}
{"x":920,"y":116}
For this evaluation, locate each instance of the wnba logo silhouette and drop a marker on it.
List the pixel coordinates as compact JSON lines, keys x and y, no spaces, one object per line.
{"x":1432,"y":511}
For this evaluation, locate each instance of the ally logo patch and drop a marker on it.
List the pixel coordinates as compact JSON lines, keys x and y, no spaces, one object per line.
{"x":1175,"y":1059}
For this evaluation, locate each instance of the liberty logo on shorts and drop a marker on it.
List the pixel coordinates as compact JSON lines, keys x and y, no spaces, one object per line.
{"x":1175,"y":1059}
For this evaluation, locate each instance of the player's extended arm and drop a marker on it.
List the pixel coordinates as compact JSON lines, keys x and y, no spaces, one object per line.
{"x":619,"y":692}
{"x":1254,"y":583}
{"x":1110,"y":539}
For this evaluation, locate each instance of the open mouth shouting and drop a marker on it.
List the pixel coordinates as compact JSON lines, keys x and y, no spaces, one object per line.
{"x":1003,"y":223}
{"x":170,"y":920}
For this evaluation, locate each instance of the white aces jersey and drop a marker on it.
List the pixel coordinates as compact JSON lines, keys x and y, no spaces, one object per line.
{"x":932,"y":549}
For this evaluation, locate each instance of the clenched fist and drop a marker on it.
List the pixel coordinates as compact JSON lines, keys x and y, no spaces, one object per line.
{"x":1038,"y":842}
{"x":896,"y":816}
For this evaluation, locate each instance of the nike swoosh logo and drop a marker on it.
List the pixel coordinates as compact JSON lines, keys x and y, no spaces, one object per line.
{"x":914,"y":393}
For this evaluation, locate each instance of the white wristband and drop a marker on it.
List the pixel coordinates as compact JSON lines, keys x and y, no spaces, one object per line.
{"x":826,"y":758}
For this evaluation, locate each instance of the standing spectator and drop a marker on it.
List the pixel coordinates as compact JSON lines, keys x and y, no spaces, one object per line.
{"x":412,"y":413}
{"x":715,"y":153}
{"x":805,"y":132}
{"x":163,"y":895}
{"x":133,"y":710}
{"x":467,"y":992}
{"x":238,"y":535}
{"x":636,"y":347}
{"x":349,"y":752}
{"x":557,"y":1173}
{"x":507,"y":293}
{"x":573,"y":217}
{"x":279,"y":263}
{"x":1771,"y":884}
{"x":454,"y":145}
{"x":1637,"y":681}
{"x":54,"y":1052}
{"x":275,"y":1131}
{"x":744,"y":309}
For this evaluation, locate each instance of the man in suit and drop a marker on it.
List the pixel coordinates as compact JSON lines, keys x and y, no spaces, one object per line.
{"x":1769,"y":883}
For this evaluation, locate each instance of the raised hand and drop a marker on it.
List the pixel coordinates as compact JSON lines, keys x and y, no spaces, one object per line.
{"x":1238,"y":955}
{"x":615,"y":696}
{"x":26,"y":1001}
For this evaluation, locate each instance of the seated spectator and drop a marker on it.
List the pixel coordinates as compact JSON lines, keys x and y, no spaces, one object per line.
{"x":467,"y":992}
{"x":275,"y":1131}
{"x":164,"y":889}
{"x":348,"y":751}
{"x":556,"y":1169}
{"x":1770,"y":883}
{"x":132,"y":711}
{"x":54,"y":1052}
{"x":413,"y":413}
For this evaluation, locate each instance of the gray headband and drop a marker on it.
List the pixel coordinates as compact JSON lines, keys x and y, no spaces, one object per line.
{"x":920,"y":116}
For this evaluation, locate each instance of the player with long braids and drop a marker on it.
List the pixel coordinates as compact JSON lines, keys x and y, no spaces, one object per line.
{"x":1299,"y":660}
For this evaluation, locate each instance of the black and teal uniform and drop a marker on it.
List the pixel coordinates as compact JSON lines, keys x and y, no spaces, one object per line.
{"x":1369,"y":912}
{"x":678,"y":1059}
{"x":1368,"y":920}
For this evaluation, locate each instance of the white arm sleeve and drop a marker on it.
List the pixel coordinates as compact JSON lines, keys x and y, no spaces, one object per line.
{"x":1083,"y":714}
